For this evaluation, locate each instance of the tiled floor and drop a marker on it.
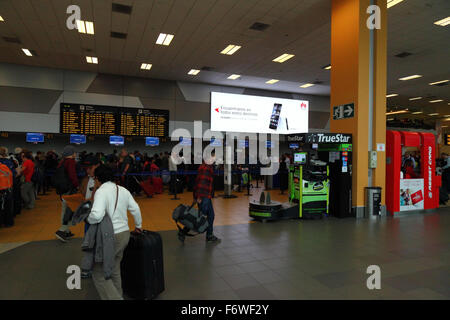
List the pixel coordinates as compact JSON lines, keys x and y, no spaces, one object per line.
{"x":42,"y":222}
{"x":294,"y":259}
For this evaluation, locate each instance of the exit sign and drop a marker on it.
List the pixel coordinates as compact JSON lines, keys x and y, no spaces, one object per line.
{"x":344,"y":111}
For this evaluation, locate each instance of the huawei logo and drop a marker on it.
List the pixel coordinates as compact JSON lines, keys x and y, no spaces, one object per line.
{"x":303,"y":106}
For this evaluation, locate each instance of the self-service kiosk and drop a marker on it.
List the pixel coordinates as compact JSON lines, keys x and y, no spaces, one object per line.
{"x":309,"y":186}
{"x":404,"y":193}
{"x":320,"y":180}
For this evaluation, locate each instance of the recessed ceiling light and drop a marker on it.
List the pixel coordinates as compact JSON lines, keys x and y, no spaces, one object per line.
{"x":283,"y":58}
{"x":164,"y":39}
{"x":230,"y":49}
{"x":417,"y":112}
{"x":416,"y":98}
{"x":391,"y":95}
{"x":85,"y":26}
{"x":93,"y":60}
{"x":307,"y":85}
{"x":194,"y":72}
{"x":438,"y":82}
{"x":328,"y":67}
{"x":1,"y":19}
{"x":272,"y":81}
{"x":27,"y":52}
{"x":146,"y":66}
{"x":433,"y":114}
{"x":391,"y":3}
{"x":444,"y":22}
{"x":415,"y":76}
{"x":234,"y":76}
{"x":434,"y":101}
{"x":397,"y":112}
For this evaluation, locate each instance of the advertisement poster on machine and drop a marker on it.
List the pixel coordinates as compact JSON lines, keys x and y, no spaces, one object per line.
{"x":256,"y":114}
{"x":411,"y":194}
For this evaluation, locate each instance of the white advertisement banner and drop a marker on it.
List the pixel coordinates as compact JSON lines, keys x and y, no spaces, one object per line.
{"x":411,"y":194}
{"x":246,"y":113}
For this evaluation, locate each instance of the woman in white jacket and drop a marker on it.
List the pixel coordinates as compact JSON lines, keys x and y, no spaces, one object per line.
{"x":116,"y":201}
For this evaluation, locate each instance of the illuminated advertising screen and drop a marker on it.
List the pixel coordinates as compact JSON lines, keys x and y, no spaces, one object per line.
{"x":246,"y":113}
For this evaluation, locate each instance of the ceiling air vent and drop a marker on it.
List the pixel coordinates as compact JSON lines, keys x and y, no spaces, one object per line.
{"x":205,"y":68}
{"x":12,"y":40}
{"x":259,"y":26}
{"x":121,"y":8}
{"x":403,"y":54}
{"x":118,"y":35}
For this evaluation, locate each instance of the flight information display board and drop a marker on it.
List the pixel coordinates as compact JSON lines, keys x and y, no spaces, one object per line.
{"x":447,"y":139}
{"x":105,"y":120}
{"x":144,"y":122}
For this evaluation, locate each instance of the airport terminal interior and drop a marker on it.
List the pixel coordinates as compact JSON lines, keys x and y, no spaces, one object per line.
{"x":276,"y":149}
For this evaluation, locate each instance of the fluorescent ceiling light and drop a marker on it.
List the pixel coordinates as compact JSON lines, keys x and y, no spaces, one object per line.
{"x":93,"y":60}
{"x":391,"y":95}
{"x":230,"y":49}
{"x":444,"y":22}
{"x":146,"y":66}
{"x":416,"y":98}
{"x":390,"y":119}
{"x":85,"y":26}
{"x":433,"y":114}
{"x":434,"y":101}
{"x":391,"y":3}
{"x":307,"y":85}
{"x":89,"y":27}
{"x":27,"y":52}
{"x":438,"y":82}
{"x":328,"y":67}
{"x":397,"y":112}
{"x":417,"y":112}
{"x":80,"y":26}
{"x":283,"y":58}
{"x":415,"y":76}
{"x":272,"y":81}
{"x":1,"y":19}
{"x":194,"y":72}
{"x":164,"y":39}
{"x":234,"y":76}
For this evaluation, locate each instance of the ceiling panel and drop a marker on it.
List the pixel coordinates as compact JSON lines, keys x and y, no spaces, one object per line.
{"x":203,"y":28}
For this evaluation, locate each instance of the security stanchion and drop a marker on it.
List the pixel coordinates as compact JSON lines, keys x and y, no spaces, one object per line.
{"x":174,"y":187}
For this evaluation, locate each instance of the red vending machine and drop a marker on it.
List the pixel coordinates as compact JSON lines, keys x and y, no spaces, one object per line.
{"x":417,"y":190}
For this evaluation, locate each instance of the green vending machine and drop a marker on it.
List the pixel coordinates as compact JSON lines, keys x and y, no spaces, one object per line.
{"x":309,"y":186}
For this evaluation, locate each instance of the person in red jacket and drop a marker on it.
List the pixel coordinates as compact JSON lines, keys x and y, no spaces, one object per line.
{"x":203,"y":191}
{"x":409,"y":170}
{"x":69,"y":164}
{"x":27,"y":188}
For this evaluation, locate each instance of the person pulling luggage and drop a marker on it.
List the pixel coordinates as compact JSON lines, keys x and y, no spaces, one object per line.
{"x":203,"y":192}
{"x":112,"y":202}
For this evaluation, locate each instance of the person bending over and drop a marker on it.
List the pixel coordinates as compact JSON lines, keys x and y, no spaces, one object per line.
{"x":104,"y":203}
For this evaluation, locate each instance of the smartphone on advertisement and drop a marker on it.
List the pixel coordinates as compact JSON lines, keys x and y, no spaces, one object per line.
{"x":275,"y":117}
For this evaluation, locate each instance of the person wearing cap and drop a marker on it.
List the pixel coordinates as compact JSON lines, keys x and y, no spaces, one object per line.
{"x":69,"y":164}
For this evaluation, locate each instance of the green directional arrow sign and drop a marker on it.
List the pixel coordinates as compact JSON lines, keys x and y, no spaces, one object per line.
{"x":344,"y":111}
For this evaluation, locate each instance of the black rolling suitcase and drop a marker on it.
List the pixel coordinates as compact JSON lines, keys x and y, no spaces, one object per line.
{"x":142,"y":268}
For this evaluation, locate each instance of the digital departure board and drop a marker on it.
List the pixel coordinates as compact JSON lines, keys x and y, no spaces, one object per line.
{"x":106,"y":120}
{"x":144,"y":122}
{"x":447,"y":139}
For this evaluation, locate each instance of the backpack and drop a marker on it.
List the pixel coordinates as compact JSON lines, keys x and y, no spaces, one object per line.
{"x":61,"y":181}
{"x":37,"y":175}
{"x":190,"y":218}
{"x":6,"y":177}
